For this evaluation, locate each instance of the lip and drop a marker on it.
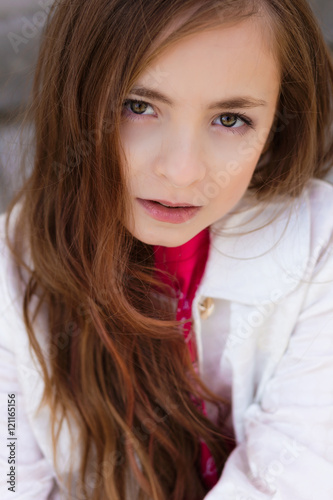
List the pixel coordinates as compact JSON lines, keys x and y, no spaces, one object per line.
{"x":165,"y":214}
{"x":181,"y":204}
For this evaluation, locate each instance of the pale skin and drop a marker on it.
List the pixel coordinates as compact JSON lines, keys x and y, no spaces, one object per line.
{"x":187,"y":152}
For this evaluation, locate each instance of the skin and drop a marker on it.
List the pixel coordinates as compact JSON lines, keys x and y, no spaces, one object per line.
{"x":186,"y":153}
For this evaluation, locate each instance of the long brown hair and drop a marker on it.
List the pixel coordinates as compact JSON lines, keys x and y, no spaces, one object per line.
{"x":117,"y":362}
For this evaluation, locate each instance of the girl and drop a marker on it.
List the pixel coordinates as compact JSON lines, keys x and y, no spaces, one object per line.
{"x":166,"y":269}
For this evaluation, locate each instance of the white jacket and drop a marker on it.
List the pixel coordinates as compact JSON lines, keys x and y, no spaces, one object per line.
{"x":266,"y":344}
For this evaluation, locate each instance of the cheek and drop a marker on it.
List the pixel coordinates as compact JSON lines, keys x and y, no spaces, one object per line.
{"x":237,"y":180}
{"x":238,"y":162}
{"x":228,"y":181}
{"x":250,"y":147}
{"x":140,"y":148}
{"x":225,"y":185}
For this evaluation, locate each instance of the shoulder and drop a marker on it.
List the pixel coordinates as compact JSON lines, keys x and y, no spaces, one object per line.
{"x":318,"y":191}
{"x":319,"y":195}
{"x":315,"y":221}
{"x":281,"y":222}
{"x":261,"y":247}
{"x":312,"y":207}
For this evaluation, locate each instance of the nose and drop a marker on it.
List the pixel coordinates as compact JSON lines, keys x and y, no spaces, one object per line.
{"x":180,"y":162}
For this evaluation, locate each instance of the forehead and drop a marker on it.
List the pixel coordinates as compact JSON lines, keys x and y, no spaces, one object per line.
{"x":228,"y":59}
{"x":222,"y":17}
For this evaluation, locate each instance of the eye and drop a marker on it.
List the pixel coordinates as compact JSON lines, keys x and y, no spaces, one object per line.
{"x":230,"y":121}
{"x":135,"y":107}
{"x":235,"y":120}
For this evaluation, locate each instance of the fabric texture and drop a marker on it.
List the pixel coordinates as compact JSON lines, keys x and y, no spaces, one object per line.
{"x":187,"y":262}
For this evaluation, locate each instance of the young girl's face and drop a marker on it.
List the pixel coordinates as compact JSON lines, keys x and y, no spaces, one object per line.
{"x":198,"y":144}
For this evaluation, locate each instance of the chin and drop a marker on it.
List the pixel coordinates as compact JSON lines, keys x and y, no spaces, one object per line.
{"x":163,"y":239}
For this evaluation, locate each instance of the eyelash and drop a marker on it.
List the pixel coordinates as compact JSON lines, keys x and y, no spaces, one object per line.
{"x":234,"y":130}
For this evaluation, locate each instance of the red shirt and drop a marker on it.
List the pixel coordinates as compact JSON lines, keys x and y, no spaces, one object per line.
{"x":187,"y":262}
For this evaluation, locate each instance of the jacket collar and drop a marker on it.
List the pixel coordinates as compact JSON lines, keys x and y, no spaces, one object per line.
{"x":268,"y":261}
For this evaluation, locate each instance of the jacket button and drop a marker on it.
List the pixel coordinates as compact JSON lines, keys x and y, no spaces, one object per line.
{"x":206,"y":308}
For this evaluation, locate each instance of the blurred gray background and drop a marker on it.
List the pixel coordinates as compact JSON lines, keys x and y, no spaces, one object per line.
{"x":21,"y":22}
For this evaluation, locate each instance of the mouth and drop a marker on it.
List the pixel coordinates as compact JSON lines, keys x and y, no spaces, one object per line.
{"x":169,"y":204}
{"x":175,"y":214}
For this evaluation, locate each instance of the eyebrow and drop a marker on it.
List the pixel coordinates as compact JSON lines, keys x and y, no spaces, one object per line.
{"x":232,"y":102}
